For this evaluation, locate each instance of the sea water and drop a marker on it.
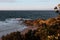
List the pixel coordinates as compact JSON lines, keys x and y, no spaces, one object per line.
{"x":10,"y":21}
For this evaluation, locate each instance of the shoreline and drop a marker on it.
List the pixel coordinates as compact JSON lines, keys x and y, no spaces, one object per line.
{"x":49,"y":24}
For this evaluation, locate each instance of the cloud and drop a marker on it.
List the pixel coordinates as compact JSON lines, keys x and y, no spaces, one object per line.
{"x":7,"y":0}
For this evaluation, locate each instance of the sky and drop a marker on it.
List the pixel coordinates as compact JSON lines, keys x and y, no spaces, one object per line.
{"x":28,"y":4}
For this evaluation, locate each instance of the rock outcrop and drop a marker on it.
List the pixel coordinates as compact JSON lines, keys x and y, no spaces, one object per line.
{"x":38,"y":29}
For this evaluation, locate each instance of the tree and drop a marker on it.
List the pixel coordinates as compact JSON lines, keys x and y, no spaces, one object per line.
{"x":57,"y":8}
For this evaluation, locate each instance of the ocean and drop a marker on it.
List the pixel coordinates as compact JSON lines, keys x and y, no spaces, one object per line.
{"x":27,"y":14}
{"x":9,"y":20}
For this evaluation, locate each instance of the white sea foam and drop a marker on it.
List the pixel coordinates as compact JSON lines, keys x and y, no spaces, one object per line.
{"x":11,"y":25}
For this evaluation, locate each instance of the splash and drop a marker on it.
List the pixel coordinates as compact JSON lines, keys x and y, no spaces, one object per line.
{"x":11,"y":25}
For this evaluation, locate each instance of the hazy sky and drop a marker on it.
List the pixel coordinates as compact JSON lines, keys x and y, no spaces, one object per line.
{"x":28,"y":4}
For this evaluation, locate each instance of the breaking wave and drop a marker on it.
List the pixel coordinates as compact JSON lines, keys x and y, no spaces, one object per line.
{"x":11,"y":25}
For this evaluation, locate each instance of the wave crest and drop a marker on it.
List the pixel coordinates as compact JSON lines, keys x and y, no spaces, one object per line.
{"x":11,"y":25}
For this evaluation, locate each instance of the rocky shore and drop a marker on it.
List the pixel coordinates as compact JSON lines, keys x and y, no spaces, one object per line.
{"x":40,"y":22}
{"x":40,"y":29}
